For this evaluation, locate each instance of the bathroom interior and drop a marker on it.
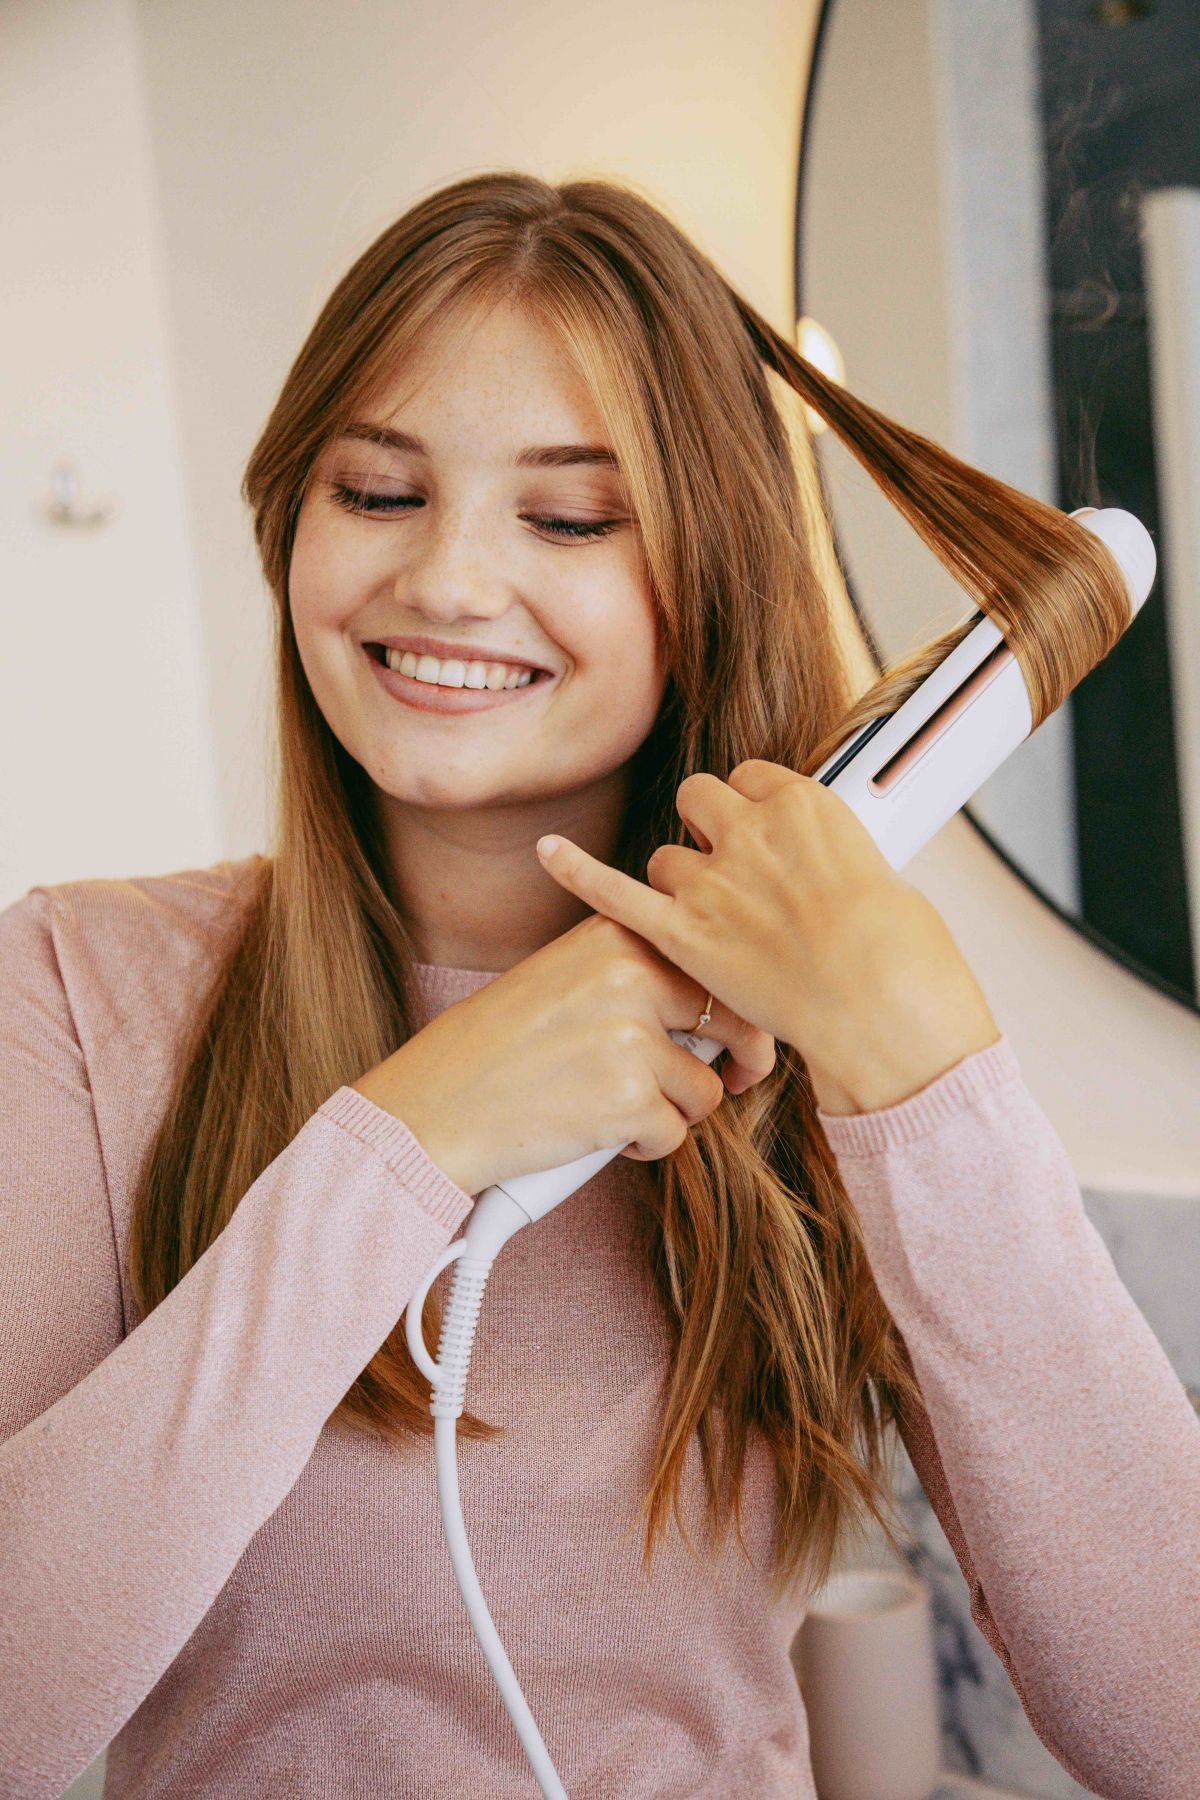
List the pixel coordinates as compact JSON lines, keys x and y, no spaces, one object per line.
{"x":985,"y":218}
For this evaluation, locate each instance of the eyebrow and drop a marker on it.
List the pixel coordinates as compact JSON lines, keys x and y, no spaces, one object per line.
{"x":535,"y":456}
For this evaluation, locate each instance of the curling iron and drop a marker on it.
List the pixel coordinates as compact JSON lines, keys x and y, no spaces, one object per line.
{"x":904,"y":775}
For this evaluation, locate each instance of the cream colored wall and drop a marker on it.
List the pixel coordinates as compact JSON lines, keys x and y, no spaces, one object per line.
{"x":105,"y":736}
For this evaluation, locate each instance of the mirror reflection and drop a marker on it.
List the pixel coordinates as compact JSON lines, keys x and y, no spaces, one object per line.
{"x":998,"y":230}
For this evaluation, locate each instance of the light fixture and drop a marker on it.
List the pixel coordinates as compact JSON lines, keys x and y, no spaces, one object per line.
{"x":817,"y":347}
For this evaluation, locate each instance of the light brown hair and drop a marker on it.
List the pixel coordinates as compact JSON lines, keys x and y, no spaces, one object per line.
{"x":756,"y":1250}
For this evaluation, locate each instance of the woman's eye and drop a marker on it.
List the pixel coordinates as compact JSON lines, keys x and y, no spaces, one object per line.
{"x":576,"y":528}
{"x":360,"y":501}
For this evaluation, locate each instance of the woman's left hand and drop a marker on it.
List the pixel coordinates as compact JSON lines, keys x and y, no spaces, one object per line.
{"x":790,"y":913}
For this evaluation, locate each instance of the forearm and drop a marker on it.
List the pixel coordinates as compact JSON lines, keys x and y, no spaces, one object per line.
{"x":1066,"y":1438}
{"x":128,"y":1501}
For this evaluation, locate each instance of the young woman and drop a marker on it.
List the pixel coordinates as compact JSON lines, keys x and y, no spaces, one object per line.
{"x":245,"y":1107}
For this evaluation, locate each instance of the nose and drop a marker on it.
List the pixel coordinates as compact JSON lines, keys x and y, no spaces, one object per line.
{"x":450,"y":570}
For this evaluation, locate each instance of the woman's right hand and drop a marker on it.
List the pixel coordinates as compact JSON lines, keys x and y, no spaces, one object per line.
{"x":565,"y":1053}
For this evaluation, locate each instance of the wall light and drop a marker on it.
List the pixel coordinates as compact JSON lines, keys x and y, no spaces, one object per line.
{"x":817,"y":347}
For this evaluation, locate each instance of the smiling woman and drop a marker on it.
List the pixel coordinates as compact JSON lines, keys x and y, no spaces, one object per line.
{"x":727,"y":1329}
{"x":475,"y":511}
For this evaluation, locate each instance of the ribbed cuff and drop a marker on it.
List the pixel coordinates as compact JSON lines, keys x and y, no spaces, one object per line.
{"x":402,"y":1153}
{"x":889,"y":1127}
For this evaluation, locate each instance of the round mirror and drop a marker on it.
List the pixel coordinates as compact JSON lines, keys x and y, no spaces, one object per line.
{"x":998,"y":239}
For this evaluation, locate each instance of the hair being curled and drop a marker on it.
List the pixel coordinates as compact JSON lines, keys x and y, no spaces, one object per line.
{"x":775,"y":1319}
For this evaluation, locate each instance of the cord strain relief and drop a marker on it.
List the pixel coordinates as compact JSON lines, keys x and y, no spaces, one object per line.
{"x":458,"y":1335}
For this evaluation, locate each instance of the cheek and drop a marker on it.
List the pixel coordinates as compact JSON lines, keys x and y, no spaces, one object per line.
{"x":320,"y":579}
{"x":324,"y":590}
{"x":627,"y":678}
{"x":304,"y":583}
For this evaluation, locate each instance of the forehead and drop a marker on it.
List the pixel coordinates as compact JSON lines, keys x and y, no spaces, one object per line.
{"x":494,"y":379}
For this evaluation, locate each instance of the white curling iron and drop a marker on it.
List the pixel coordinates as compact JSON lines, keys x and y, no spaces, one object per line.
{"x":904,"y":775}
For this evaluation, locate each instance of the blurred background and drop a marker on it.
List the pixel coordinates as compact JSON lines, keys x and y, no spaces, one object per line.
{"x":985,"y":217}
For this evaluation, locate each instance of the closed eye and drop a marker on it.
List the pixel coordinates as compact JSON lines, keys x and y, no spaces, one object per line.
{"x":357,"y":500}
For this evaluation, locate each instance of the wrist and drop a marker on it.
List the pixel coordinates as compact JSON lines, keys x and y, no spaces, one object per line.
{"x":385,"y":1089}
{"x":873,"y":1079}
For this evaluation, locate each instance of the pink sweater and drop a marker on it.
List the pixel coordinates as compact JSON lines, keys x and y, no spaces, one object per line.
{"x":248,"y":1601}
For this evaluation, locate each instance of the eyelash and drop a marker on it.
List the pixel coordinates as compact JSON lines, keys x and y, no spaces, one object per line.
{"x":355,"y":500}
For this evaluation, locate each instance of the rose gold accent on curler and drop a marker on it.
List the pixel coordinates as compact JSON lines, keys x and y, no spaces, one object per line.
{"x":940,"y":720}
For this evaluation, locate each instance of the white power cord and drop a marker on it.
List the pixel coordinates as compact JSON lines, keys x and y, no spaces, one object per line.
{"x":498,"y":1213}
{"x":448,"y":1376}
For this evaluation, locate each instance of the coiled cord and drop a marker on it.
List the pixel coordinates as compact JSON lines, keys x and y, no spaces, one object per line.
{"x":448,"y":1377}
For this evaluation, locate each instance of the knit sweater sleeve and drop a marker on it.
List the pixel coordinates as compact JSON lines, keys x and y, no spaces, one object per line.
{"x":1058,"y":1446}
{"x":136,"y":1466}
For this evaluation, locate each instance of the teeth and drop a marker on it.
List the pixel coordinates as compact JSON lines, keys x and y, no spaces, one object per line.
{"x":454,"y":673}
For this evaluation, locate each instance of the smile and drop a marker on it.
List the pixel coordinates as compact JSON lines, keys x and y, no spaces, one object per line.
{"x":432,"y":697}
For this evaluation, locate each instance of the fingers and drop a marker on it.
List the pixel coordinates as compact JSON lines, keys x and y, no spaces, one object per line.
{"x":689,"y":1088}
{"x":751,"y":1050}
{"x":758,"y":780}
{"x":689,"y":1084}
{"x":705,"y":801}
{"x":610,"y":891}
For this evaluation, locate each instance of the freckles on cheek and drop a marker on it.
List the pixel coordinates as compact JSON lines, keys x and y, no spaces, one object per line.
{"x":321,"y":596}
{"x":327,"y":580}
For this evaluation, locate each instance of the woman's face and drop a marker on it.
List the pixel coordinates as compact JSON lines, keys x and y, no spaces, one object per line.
{"x":460,"y":539}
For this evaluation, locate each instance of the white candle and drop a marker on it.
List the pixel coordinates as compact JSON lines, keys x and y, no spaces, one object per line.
{"x":865,"y":1662}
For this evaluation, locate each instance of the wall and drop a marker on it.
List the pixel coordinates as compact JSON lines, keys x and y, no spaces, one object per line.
{"x":106,"y":736}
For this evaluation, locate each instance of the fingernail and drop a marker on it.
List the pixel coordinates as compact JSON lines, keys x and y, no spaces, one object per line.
{"x":546,"y":846}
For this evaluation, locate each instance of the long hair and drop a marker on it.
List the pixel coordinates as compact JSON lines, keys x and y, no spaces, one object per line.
{"x":776,"y":1324}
